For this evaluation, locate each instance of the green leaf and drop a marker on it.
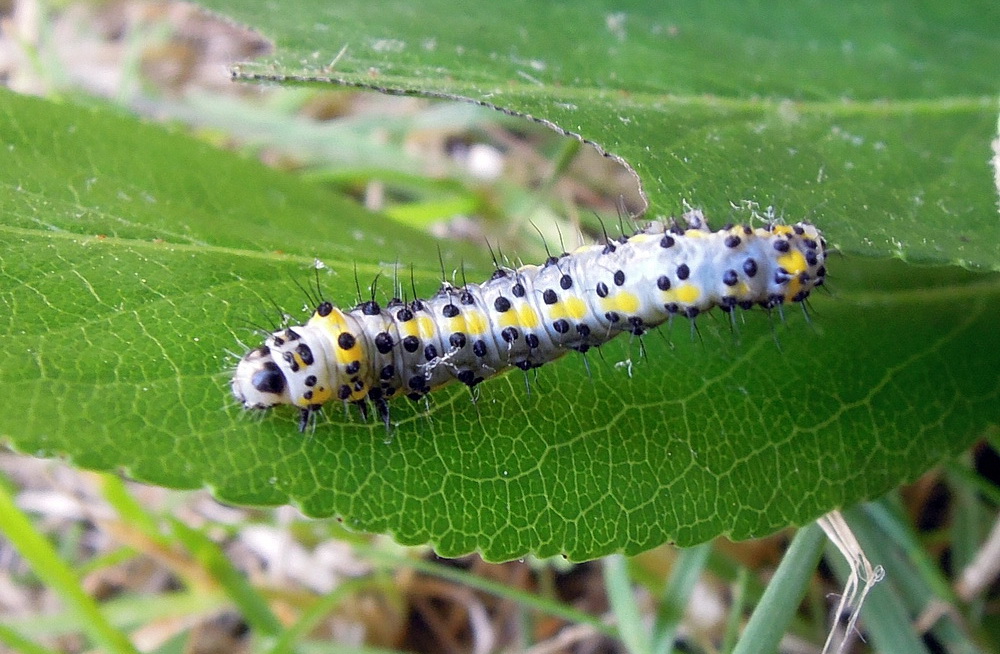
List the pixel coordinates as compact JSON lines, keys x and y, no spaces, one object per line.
{"x":872,"y":119}
{"x":776,"y":609}
{"x":133,"y":259}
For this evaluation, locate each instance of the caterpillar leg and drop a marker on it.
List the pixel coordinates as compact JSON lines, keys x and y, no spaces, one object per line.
{"x":382,"y":409}
{"x":362,"y":409}
{"x":305,"y":417}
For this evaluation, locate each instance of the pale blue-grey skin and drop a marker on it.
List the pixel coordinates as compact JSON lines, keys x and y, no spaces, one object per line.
{"x":529,"y":316}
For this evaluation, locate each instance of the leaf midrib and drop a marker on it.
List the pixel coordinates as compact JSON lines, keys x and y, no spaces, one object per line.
{"x":239,"y":253}
{"x":625,"y":98}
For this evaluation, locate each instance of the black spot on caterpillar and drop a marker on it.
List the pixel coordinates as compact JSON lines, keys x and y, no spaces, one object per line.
{"x":527,"y":317}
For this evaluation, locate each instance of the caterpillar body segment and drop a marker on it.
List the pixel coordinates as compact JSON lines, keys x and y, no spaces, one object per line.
{"x":530,"y":316}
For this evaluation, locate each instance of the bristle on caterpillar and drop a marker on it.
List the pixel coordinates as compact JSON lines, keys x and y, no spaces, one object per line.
{"x":530,"y":316}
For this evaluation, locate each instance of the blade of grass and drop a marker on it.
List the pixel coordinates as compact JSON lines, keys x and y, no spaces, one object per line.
{"x":544,"y":605}
{"x":621,"y":596}
{"x":918,"y":578}
{"x":333,"y":648}
{"x":118,"y":496}
{"x":969,"y":523}
{"x":19,"y":643}
{"x":251,"y":604}
{"x":39,"y":552}
{"x":780,"y":601}
{"x":685,"y":573}
{"x":127,"y":612}
{"x":736,"y":611}
{"x":889,"y":519}
{"x":722,"y":566}
{"x":422,"y":214}
{"x":983,"y":485}
{"x":112,"y":558}
{"x":253,"y":607}
{"x":287,"y":642}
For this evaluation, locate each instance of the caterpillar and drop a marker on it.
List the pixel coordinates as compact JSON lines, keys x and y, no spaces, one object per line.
{"x":527,"y":317}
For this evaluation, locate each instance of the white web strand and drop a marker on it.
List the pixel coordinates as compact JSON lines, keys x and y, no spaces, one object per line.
{"x":984,"y":568}
{"x":861,"y":580}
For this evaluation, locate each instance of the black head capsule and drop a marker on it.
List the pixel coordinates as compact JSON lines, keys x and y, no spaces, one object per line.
{"x":269,"y":379}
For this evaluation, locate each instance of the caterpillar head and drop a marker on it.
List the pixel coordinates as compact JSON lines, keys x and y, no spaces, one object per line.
{"x":259,"y":382}
{"x":284,"y":370}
